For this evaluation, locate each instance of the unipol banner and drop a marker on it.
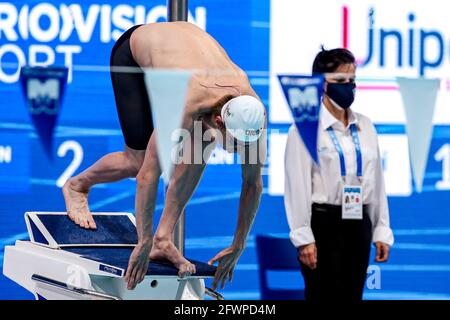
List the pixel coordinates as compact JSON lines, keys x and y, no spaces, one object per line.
{"x":419,"y":100}
{"x":167,"y":91}
{"x":43,"y":88}
{"x":304,"y":97}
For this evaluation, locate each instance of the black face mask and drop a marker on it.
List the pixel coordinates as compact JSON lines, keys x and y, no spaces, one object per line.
{"x":341,"y":93}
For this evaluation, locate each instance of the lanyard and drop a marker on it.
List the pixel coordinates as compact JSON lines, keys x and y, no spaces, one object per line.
{"x":338,"y":147}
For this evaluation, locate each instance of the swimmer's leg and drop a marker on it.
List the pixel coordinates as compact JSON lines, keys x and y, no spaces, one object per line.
{"x":182,"y":185}
{"x":112,"y":167}
{"x":163,"y":247}
{"x":165,"y":250}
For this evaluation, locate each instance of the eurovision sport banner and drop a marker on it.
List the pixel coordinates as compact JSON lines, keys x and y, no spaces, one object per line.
{"x":43,"y":88}
{"x":304,"y":97}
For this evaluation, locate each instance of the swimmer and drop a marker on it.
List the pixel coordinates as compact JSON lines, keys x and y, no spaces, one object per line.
{"x":220,"y":97}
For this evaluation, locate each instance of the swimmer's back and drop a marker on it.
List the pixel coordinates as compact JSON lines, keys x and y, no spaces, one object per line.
{"x":177,"y":45}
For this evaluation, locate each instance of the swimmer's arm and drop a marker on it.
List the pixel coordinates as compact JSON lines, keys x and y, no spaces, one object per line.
{"x":190,"y":119}
{"x":184,"y":181}
{"x":249,"y":202}
{"x":182,"y":185}
{"x":191,"y":114}
{"x":251,"y":191}
{"x":187,"y":122}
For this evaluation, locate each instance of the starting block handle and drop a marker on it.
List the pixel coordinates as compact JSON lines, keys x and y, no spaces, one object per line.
{"x":81,"y":291}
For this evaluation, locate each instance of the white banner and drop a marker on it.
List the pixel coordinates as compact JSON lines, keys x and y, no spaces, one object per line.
{"x":167,"y":92}
{"x":419,"y":99}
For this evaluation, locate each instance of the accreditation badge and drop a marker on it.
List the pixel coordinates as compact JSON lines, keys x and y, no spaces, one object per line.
{"x":352,"y":203}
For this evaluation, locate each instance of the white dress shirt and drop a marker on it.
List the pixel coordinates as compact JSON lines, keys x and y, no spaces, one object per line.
{"x":306,"y":183}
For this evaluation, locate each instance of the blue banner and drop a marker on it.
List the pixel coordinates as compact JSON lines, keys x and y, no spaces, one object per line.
{"x":304,"y":97}
{"x":43,"y":88}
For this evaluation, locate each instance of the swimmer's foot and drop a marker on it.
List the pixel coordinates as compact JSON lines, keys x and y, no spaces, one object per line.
{"x":77,"y":206}
{"x":166,"y":250}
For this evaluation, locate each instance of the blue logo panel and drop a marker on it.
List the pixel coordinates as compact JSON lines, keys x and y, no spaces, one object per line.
{"x":43,"y":89}
{"x":111,"y":270}
{"x":304,"y":96}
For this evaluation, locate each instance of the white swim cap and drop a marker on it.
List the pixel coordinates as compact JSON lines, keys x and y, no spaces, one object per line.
{"x":244,"y":118}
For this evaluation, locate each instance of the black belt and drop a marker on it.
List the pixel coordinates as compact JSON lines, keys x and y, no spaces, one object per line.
{"x":333,"y":209}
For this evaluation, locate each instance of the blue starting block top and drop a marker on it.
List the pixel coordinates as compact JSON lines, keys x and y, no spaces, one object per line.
{"x":111,"y":230}
{"x":110,"y":244}
{"x":56,"y":230}
{"x":118,"y":257}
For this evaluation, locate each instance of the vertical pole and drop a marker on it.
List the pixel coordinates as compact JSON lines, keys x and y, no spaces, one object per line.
{"x":177,"y":10}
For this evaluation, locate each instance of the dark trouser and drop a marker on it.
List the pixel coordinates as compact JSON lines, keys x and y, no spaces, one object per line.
{"x":130,"y":92}
{"x":343,"y":249}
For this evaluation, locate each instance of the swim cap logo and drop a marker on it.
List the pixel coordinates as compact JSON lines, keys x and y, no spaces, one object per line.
{"x":43,"y":89}
{"x":252,"y":132}
{"x":227,"y":111}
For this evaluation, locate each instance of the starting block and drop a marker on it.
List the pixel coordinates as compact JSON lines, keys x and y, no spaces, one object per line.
{"x":64,"y":261}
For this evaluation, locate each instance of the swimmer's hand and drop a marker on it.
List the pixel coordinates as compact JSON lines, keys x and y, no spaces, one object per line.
{"x":227,"y":259}
{"x":138,"y":265}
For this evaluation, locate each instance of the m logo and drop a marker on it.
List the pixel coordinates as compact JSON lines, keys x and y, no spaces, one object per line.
{"x":304,"y":103}
{"x":5,"y":154}
{"x":43,"y":97}
{"x":304,"y":96}
{"x":43,"y":88}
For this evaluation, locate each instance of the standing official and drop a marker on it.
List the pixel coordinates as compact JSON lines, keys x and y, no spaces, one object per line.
{"x":337,"y":209}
